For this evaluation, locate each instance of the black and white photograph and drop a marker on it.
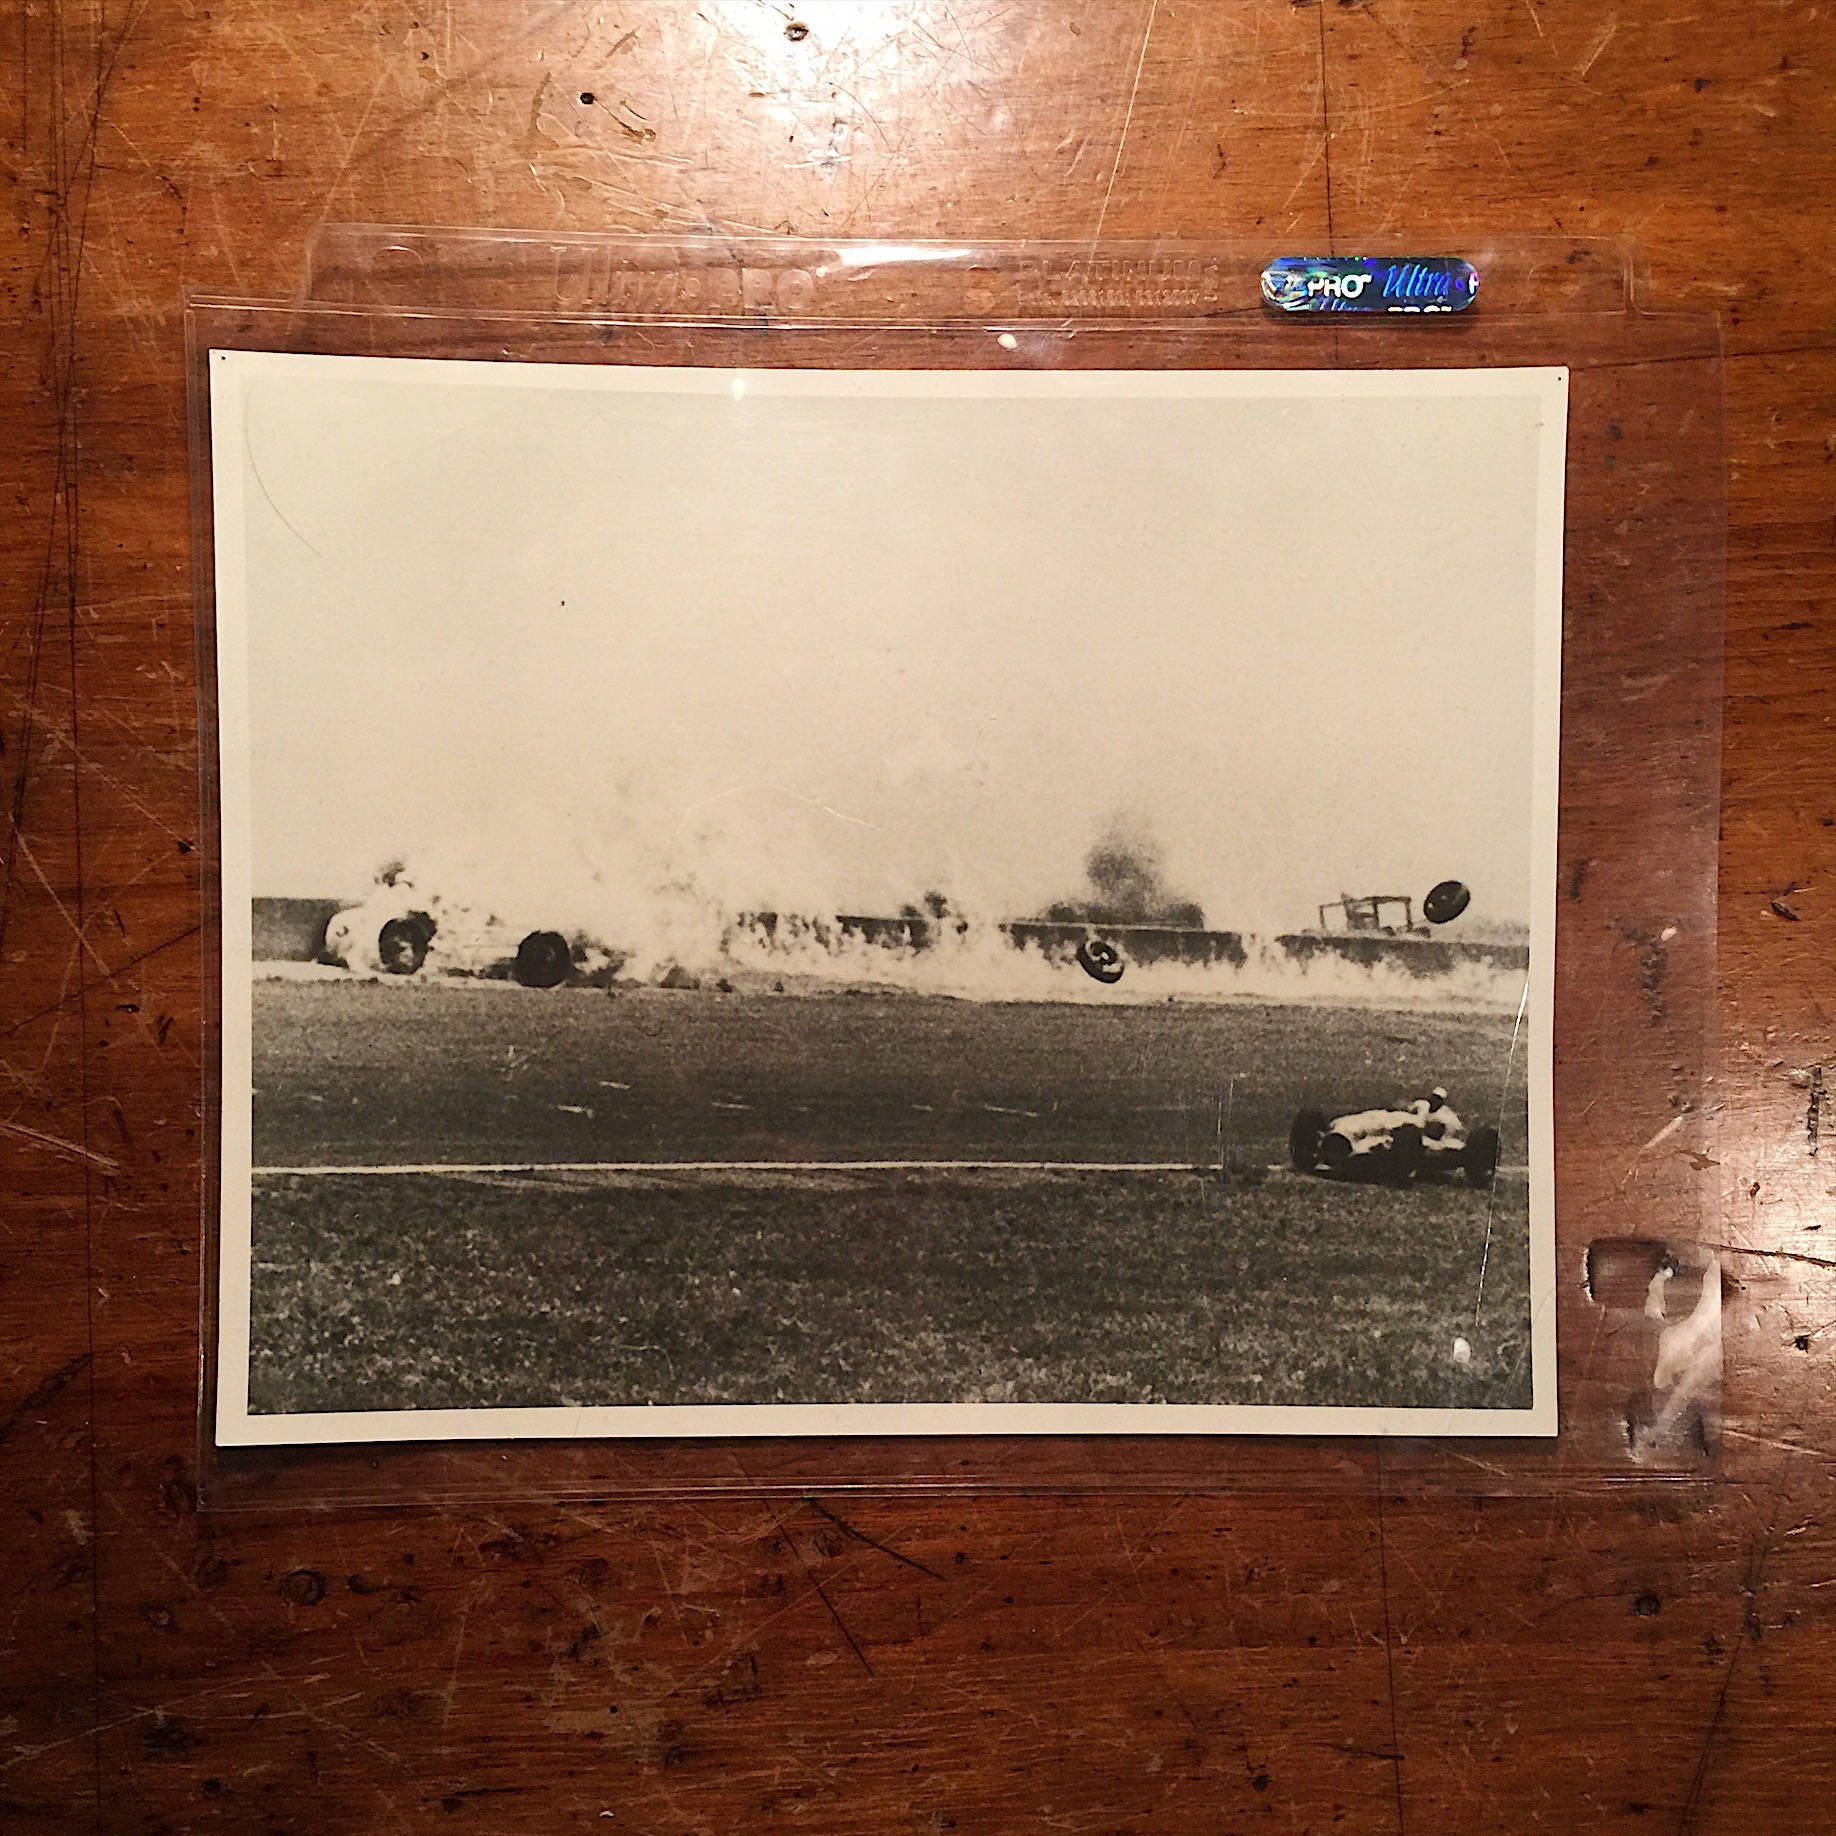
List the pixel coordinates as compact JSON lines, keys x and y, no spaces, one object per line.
{"x":804,"y":901}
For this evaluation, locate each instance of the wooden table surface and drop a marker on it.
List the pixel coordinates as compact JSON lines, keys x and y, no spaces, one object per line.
{"x":1637,"y":1657}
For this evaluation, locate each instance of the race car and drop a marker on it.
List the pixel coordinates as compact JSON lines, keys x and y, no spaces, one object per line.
{"x":1424,"y":1139}
{"x":394,"y":930}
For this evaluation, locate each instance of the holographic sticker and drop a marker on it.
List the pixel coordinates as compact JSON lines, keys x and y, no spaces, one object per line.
{"x":1369,"y":283}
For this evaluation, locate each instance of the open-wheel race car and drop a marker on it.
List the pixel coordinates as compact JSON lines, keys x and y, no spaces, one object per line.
{"x":1425,"y":1139}
{"x":395,"y":930}
{"x":397,"y":942}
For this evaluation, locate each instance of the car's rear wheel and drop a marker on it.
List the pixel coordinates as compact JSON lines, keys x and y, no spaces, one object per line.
{"x":401,"y":945}
{"x":1481,"y":1157}
{"x":1405,"y":1158}
{"x":542,"y":960}
{"x":1304,"y":1140}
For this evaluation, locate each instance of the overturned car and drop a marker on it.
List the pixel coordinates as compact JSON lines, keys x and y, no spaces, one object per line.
{"x":1424,"y":1139}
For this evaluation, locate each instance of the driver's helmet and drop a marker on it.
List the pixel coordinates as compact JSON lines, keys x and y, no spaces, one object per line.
{"x":1438,"y":1097}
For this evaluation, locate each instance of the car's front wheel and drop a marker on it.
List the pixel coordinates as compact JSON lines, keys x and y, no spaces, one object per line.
{"x":1405,"y":1157}
{"x":1336,"y":1153}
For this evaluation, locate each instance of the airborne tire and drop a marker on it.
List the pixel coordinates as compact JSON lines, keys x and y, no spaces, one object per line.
{"x":543,"y":960}
{"x":401,"y":945}
{"x":1444,"y":903}
{"x":1481,"y":1157}
{"x":1304,"y":1140}
{"x":1100,"y":960}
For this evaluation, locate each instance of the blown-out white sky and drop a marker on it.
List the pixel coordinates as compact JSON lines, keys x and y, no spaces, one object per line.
{"x":822,"y":641}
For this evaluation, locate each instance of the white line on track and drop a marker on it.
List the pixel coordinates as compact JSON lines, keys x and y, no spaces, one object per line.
{"x":736,"y":1166}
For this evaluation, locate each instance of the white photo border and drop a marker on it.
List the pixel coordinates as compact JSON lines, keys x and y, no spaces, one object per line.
{"x":230,"y":372}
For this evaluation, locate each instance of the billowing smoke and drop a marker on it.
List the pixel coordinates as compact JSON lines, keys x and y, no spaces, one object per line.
{"x":1127,"y":884}
{"x":782,"y":894}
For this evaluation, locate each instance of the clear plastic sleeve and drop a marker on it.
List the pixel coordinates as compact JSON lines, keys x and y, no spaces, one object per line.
{"x":1638,"y":1296}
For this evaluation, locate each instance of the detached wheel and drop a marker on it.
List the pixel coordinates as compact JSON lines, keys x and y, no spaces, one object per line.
{"x":1406,"y":1152}
{"x":1100,"y":960}
{"x":543,"y":960}
{"x":1444,"y":903}
{"x":1304,"y":1140}
{"x":1481,"y":1157}
{"x":401,"y":945}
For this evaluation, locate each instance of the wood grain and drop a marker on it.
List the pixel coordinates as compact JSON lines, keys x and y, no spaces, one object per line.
{"x":1385,"y":1656}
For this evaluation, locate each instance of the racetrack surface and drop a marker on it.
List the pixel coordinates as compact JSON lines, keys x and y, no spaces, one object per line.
{"x":773,"y":1276}
{"x":361,"y":1074}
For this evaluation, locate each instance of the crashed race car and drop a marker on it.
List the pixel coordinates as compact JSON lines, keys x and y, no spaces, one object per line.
{"x":394,"y":930}
{"x":1425,"y":1139}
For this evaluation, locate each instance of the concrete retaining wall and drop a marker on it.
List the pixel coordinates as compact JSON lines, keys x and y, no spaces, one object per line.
{"x":1421,"y":956}
{"x":291,"y":930}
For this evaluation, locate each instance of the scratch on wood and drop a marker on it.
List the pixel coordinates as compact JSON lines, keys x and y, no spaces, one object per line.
{"x":1147,"y":32}
{"x":58,"y":1145}
{"x":861,"y":1536}
{"x":1601,"y":40}
{"x":43,"y":1393}
{"x":841,"y":1625}
{"x":109,"y":975}
{"x":1389,"y":1650}
{"x":63,"y":911}
{"x":452,"y":1674}
{"x":1657,"y":1140}
{"x":1756,"y":1570}
{"x":1783,"y":1255}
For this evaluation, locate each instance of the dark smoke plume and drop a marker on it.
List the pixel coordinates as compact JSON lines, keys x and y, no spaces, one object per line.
{"x":1127,"y":885}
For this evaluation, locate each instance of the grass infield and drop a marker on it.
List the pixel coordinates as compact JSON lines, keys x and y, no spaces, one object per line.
{"x":472,"y":1290}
